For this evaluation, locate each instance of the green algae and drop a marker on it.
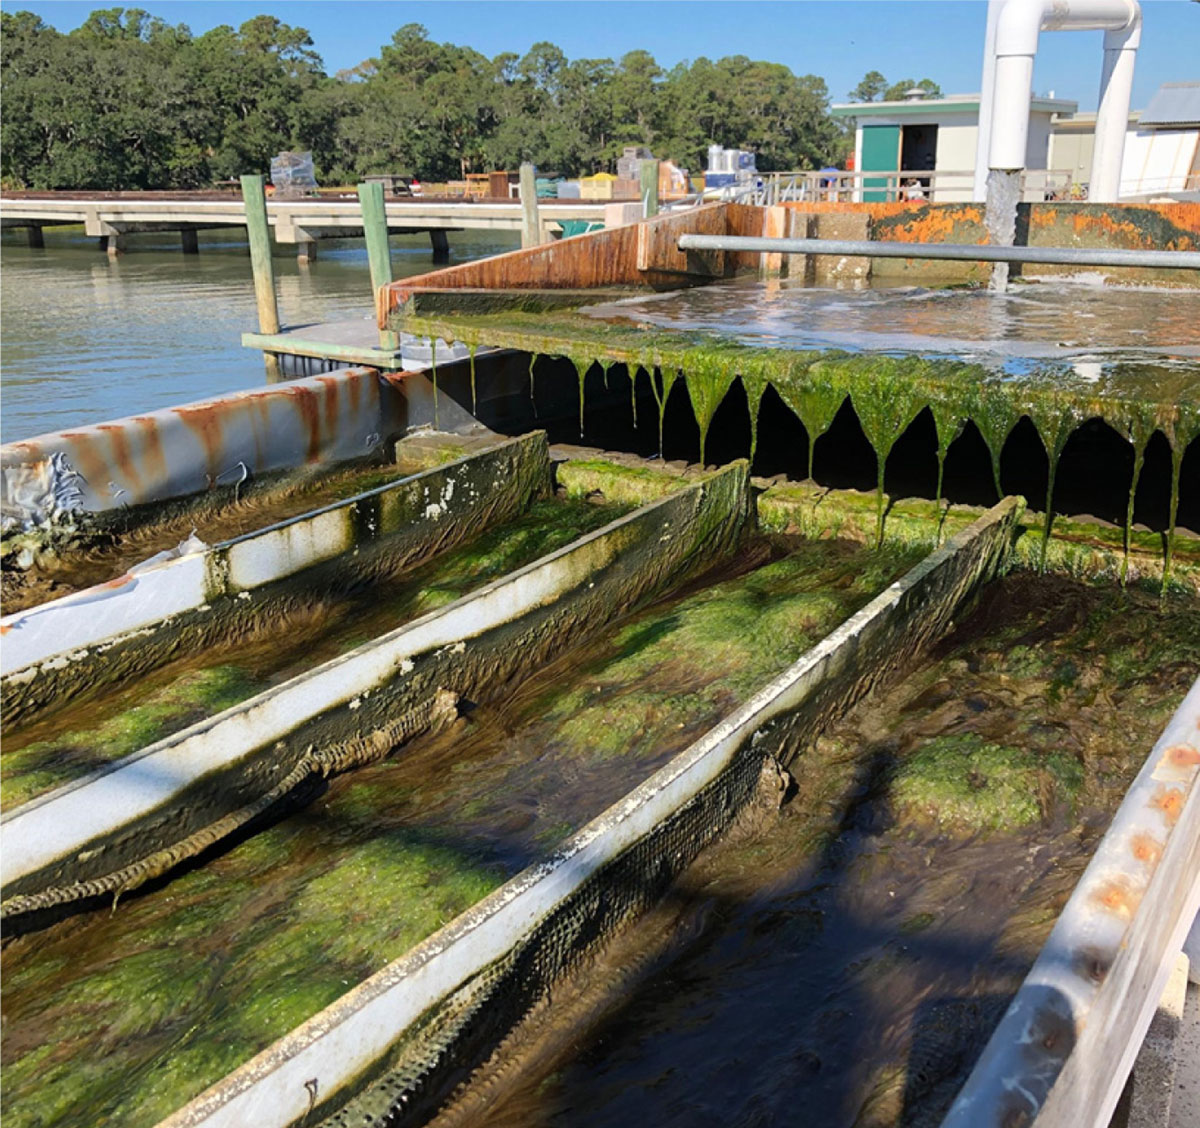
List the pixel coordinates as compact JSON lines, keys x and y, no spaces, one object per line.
{"x":961,"y":784}
{"x":103,"y":731}
{"x":628,"y":485}
{"x":181,"y":986}
{"x":887,"y":392}
{"x":471,"y":349}
{"x":39,"y":766}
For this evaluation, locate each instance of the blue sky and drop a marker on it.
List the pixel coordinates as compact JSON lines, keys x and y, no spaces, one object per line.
{"x":837,"y":39}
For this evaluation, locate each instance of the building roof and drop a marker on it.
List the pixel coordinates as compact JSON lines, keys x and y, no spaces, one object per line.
{"x":950,"y":104}
{"x":1176,"y":103}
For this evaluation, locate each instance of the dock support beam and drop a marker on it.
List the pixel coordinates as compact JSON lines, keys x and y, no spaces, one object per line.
{"x":379,"y":253}
{"x":648,"y":174}
{"x":306,"y":252}
{"x":35,"y":237}
{"x":114,"y":245}
{"x":189,"y":241}
{"x":255,"y":200}
{"x":531,"y":228}
{"x":441,"y":245}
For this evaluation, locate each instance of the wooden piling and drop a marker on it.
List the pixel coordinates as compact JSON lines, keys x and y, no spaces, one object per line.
{"x":189,"y":241}
{"x":648,"y":174}
{"x":114,"y":245}
{"x":379,"y":253}
{"x":255,"y":200}
{"x":441,"y":245}
{"x":36,"y":239}
{"x":531,"y":227}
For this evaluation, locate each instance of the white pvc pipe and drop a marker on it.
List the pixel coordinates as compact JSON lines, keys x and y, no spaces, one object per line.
{"x":1112,"y":115}
{"x":987,"y":98}
{"x":1015,"y":44}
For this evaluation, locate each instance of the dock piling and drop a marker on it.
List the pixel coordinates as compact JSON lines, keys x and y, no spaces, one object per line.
{"x":379,"y":253}
{"x":189,"y":240}
{"x":531,"y":228}
{"x":255,"y":201}
{"x":441,"y":245}
{"x":36,"y":239}
{"x":648,"y":174}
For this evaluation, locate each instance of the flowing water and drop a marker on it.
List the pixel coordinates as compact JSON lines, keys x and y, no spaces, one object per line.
{"x":850,"y":956}
{"x":88,"y":338}
{"x":1000,"y":218}
{"x":118,"y":1018}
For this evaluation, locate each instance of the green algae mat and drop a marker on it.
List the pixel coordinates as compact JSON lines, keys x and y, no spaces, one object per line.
{"x":851,"y":954}
{"x":122,"y":1018}
{"x":72,"y":742}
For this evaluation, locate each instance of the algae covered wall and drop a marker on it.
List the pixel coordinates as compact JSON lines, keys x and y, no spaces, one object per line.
{"x":1149,"y":227}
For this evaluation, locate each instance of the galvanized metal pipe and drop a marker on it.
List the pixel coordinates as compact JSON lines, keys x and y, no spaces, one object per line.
{"x":961,"y":252}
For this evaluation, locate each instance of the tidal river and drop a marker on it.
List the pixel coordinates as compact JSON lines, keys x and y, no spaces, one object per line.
{"x":86,"y":338}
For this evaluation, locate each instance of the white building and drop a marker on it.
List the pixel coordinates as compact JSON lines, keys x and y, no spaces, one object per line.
{"x":938,"y":135}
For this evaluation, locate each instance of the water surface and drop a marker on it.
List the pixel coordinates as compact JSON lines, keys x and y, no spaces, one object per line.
{"x":88,"y":338}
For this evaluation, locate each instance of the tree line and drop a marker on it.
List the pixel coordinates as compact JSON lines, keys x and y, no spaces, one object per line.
{"x":130,"y":101}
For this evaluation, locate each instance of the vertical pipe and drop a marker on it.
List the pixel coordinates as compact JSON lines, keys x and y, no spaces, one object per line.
{"x":1112,"y":114}
{"x":987,"y":97}
{"x":648,"y":172}
{"x":531,"y":230}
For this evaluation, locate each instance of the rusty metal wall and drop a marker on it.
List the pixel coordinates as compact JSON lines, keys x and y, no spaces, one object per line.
{"x":184,"y":450}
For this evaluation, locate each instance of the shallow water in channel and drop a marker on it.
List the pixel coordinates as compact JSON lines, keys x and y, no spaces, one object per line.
{"x":120,"y":1018}
{"x":850,"y":956}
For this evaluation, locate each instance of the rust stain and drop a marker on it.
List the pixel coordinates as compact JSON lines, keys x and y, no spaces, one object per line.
{"x":1182,"y":756}
{"x":310,"y":413}
{"x":333,"y":403}
{"x":205,"y":423}
{"x":88,"y":460}
{"x":354,"y":386}
{"x":1147,"y":849}
{"x":122,"y":455}
{"x":153,"y":457}
{"x":1092,"y":964}
{"x":1170,"y":801}
{"x":1119,"y":897}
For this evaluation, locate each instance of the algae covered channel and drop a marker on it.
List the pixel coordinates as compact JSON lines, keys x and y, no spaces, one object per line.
{"x":78,"y":738}
{"x":850,"y":954}
{"x":102,"y":1024}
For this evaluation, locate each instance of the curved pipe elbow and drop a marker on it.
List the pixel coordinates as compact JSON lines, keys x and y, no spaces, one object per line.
{"x":1020,"y":21}
{"x":1018,"y":26}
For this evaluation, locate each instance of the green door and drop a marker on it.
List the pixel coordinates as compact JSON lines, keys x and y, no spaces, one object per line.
{"x":880,"y":153}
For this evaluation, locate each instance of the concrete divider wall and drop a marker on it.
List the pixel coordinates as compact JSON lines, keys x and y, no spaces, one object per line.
{"x":110,"y":632}
{"x":425,"y":1020}
{"x":1061,"y":1053}
{"x":472,"y":648}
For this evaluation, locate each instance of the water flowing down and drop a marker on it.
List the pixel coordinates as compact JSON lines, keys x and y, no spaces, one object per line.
{"x":1000,"y":218}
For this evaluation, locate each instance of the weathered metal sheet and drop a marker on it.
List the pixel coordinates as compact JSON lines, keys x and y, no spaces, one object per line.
{"x":184,"y":450}
{"x":343,"y":1042}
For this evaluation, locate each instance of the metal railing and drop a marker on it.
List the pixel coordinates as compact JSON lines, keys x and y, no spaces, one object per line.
{"x":839,"y":186}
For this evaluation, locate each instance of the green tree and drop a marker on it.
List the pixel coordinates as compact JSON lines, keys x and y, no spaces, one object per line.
{"x":869,"y":88}
{"x":897,"y":91}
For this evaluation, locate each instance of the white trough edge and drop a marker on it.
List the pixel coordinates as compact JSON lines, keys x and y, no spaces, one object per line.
{"x":339,"y":1043}
{"x":62,"y":822}
{"x":1096,"y":983}
{"x":55,"y":633}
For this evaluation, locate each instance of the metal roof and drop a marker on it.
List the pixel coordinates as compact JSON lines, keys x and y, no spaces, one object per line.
{"x":1176,"y":103}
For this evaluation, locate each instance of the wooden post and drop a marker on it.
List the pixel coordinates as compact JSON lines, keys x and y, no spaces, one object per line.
{"x":379,"y":254}
{"x":114,"y":245}
{"x":531,"y":228}
{"x":255,"y":200}
{"x":35,"y":236}
{"x":441,"y":245}
{"x":649,"y":187}
{"x":189,"y":241}
{"x":306,"y":252}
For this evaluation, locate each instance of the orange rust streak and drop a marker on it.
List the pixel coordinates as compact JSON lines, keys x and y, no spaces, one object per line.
{"x":152,"y":451}
{"x":1182,"y":756}
{"x":310,"y":412}
{"x":89,"y":461}
{"x":333,"y":403}
{"x":121,"y":453}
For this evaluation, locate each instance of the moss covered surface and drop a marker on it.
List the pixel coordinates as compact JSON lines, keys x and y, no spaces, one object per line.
{"x":119,"y":1019}
{"x":73,"y":742}
{"x":851,"y":956}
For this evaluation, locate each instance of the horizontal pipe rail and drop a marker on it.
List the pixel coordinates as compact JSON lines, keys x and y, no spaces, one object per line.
{"x":965,"y":252}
